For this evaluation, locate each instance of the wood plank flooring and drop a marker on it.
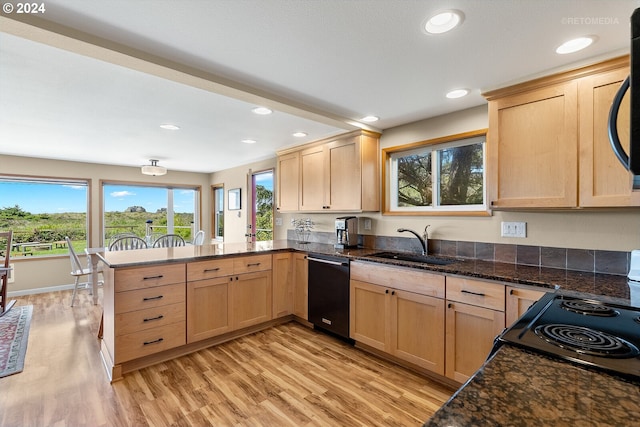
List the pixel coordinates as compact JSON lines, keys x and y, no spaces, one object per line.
{"x":288,"y":375}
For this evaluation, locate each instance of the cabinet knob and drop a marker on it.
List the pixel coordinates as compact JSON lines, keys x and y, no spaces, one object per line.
{"x":449,"y":305}
{"x":386,"y":291}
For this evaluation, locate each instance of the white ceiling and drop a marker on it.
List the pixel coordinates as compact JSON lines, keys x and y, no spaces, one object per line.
{"x":72,"y":85}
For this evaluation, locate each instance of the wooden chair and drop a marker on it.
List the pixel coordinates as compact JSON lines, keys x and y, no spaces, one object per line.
{"x":169,"y":241}
{"x":127,"y":243}
{"x":78,"y":271}
{"x":5,"y":255}
{"x":199,"y":238}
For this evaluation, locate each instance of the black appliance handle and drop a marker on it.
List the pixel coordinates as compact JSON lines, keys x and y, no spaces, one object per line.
{"x":326,"y":261}
{"x":613,"y":128}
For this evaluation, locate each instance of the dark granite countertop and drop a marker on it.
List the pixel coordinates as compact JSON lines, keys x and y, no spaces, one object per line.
{"x":519,"y":388}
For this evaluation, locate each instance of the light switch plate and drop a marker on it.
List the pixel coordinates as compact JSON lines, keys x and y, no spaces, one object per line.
{"x":278,"y":221}
{"x":514,"y":229}
{"x":367,"y":224}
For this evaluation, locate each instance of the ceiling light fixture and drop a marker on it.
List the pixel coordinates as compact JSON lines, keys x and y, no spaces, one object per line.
{"x":575,"y":45}
{"x":443,"y":21}
{"x":262,"y":111}
{"x":457,"y":93}
{"x":370,"y":119}
{"x":300,"y":134}
{"x":249,"y":141}
{"x":168,"y":126}
{"x":153,"y":169}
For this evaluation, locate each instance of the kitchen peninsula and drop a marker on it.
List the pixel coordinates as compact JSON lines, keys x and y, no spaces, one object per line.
{"x":165,"y":278}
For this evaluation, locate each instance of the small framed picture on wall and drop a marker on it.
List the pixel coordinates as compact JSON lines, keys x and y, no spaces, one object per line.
{"x":234,"y":199}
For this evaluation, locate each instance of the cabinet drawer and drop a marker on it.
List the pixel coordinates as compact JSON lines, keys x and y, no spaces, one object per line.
{"x":149,"y":298}
{"x":475,"y":292}
{"x":145,"y":277}
{"x":135,"y":321}
{"x":150,"y":341}
{"x":251,"y":263}
{"x":404,"y":279}
{"x":202,"y":270}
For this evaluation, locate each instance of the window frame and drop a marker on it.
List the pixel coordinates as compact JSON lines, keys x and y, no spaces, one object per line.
{"x":217,"y":190}
{"x":85,"y":182}
{"x":389,"y":174}
{"x":197,"y":214}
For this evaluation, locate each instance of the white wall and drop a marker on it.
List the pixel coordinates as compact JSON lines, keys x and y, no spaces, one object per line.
{"x":33,"y":273}
{"x":235,"y":222}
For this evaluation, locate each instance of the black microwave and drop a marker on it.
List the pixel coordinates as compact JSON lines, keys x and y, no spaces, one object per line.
{"x":630,"y":161}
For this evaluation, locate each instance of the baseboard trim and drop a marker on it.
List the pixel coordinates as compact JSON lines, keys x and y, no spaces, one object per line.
{"x":39,"y":290}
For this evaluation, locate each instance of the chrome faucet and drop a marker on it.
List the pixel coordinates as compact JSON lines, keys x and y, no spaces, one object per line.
{"x":424,"y":239}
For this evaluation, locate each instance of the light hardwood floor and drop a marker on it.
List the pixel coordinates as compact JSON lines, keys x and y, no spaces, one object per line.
{"x":288,"y":375}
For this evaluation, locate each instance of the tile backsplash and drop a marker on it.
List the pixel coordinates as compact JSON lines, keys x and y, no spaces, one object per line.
{"x":589,"y":260}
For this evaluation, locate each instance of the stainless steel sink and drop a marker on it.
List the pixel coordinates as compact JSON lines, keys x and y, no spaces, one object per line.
{"x":400,"y":256}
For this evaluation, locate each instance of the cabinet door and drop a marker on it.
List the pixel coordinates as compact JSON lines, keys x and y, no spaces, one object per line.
{"x":343,"y":185}
{"x":470,"y":332}
{"x":300,"y":283}
{"x":518,"y":302}
{"x":312,"y":183}
{"x":288,"y":176}
{"x":369,"y":320}
{"x":208,"y":308}
{"x":251,"y":299}
{"x":282,"y":284}
{"x":417,"y":327}
{"x":532,"y":146}
{"x":603,"y":180}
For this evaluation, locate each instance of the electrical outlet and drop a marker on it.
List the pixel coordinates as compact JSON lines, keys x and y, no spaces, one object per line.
{"x":514,"y":229}
{"x":278,"y":221}
{"x":367,"y":224}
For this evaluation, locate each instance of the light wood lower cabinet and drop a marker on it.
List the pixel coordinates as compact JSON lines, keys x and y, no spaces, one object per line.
{"x":300,"y":285}
{"x":402,"y":322}
{"x":282,"y":284}
{"x":474,"y":317}
{"x":518,"y":302}
{"x":144,"y":311}
{"x":223,"y":303}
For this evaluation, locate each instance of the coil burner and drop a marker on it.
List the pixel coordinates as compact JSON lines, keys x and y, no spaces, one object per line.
{"x":586,"y":341}
{"x":589,"y":308}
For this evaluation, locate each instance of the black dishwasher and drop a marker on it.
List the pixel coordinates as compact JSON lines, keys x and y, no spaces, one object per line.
{"x":329,"y":293}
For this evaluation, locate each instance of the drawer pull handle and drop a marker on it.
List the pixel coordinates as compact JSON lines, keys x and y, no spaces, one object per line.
{"x":153,"y":318}
{"x":255,"y":264}
{"x":209,"y":270}
{"x":153,"y":298}
{"x":473,"y":293}
{"x":160,"y":276}
{"x":159,"y":340}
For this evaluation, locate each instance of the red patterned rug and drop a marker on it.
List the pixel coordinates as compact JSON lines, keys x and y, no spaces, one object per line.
{"x":14,"y":336}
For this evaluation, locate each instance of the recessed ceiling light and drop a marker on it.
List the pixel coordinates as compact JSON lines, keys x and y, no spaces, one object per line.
{"x":168,"y":126}
{"x":443,"y":21}
{"x":370,"y":119}
{"x":575,"y":45}
{"x":300,"y":134}
{"x":249,"y":141}
{"x":262,"y":111}
{"x":457,"y":93}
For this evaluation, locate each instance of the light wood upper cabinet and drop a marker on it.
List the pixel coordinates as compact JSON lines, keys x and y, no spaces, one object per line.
{"x":548,"y":144}
{"x":603,"y":180}
{"x":336,"y":174}
{"x":532,"y":146}
{"x":288,"y":178}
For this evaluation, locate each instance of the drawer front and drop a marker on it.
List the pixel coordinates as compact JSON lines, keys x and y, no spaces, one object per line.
{"x":202,"y":270}
{"x":135,"y":321}
{"x":405,"y":279}
{"x":251,"y":263}
{"x":149,"y":341}
{"x":149,"y":298}
{"x":145,"y":277}
{"x":475,"y":292}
